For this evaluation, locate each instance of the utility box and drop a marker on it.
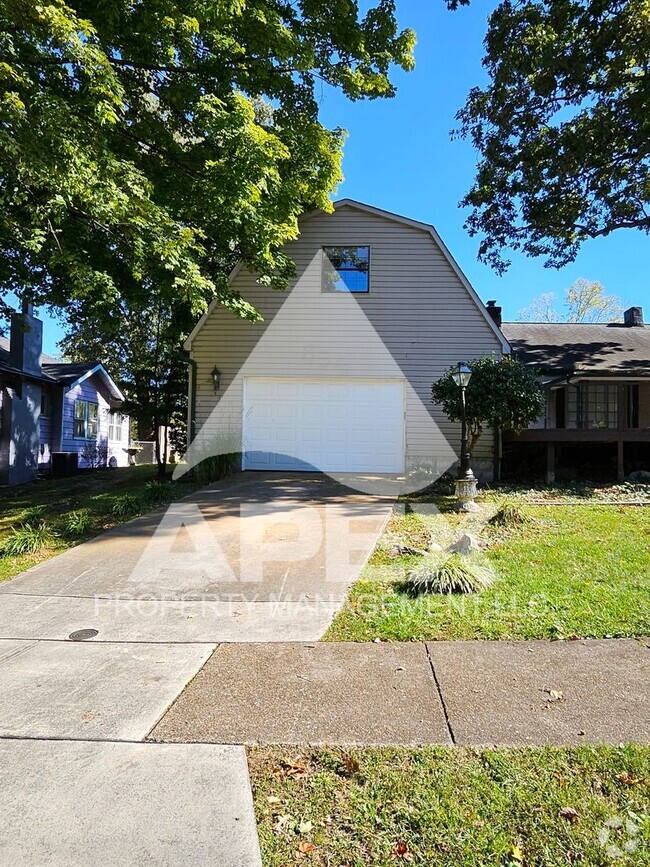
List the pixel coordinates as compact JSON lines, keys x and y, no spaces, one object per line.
{"x":64,"y":464}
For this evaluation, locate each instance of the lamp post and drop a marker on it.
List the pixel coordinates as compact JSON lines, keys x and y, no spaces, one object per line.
{"x":465,"y":479}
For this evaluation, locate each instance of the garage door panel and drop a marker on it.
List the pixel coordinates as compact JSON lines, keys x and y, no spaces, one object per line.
{"x":329,"y":425}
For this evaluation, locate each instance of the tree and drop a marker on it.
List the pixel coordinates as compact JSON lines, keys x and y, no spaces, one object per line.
{"x":503,"y":394}
{"x":584,"y":301}
{"x":146,"y":147}
{"x":142,"y":348}
{"x":562,"y":128}
{"x":155,"y":143}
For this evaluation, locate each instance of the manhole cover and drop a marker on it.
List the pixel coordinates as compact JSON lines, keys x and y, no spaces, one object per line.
{"x":83,"y":634}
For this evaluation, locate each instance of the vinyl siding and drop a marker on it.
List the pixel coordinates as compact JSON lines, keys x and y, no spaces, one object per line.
{"x":417,"y":305}
{"x":93,"y":391}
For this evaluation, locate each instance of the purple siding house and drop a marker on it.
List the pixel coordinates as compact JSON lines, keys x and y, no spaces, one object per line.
{"x":49,"y":406}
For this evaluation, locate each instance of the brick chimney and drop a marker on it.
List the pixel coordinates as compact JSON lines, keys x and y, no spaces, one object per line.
{"x":495,"y":312}
{"x":633,"y":317}
{"x":26,"y":341}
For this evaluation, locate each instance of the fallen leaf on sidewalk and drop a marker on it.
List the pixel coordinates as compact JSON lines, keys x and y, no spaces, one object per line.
{"x":570,"y":814}
{"x":89,"y":715}
{"x":554,"y":695}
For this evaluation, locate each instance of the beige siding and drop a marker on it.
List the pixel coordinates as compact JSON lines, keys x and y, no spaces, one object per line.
{"x":417,"y":304}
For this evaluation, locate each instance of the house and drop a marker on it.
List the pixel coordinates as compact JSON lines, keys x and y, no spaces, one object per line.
{"x":48,"y":406}
{"x":597,"y":383}
{"x":338,"y":374}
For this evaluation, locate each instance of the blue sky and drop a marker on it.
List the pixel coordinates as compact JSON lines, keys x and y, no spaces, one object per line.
{"x":399,"y":156}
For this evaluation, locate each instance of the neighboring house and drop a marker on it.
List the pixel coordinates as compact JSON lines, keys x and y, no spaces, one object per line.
{"x":49,"y":406}
{"x":338,"y":375}
{"x":597,"y":382}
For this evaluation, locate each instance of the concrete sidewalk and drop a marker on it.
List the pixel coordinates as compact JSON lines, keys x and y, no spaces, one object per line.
{"x":160,"y":591}
{"x":452,"y":693}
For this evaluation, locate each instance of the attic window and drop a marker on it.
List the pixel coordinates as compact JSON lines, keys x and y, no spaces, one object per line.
{"x":346,"y":269}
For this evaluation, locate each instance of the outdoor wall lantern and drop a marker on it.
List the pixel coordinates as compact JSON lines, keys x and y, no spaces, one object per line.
{"x":465,"y":479}
{"x":216,"y":378}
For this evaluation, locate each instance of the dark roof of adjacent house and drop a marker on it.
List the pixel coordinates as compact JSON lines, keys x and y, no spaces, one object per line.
{"x":600,"y":349}
{"x":61,"y":372}
{"x":66,"y":371}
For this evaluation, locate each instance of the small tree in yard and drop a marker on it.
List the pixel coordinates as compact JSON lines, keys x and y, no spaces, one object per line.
{"x":503,"y":394}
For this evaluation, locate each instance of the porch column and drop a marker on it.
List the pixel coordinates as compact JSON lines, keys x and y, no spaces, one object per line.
{"x":620,"y":460}
{"x":550,"y":463}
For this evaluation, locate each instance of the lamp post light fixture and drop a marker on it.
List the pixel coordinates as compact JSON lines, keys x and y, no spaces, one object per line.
{"x":465,"y":479}
{"x":216,"y":378}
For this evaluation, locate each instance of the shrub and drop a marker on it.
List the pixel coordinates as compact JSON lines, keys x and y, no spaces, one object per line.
{"x":95,"y":454}
{"x":509,"y":514}
{"x":455,"y":574}
{"x":76,"y":523}
{"x":216,"y":467}
{"x":126,"y":505}
{"x":158,"y":491}
{"x":32,"y":515}
{"x":27,"y":539}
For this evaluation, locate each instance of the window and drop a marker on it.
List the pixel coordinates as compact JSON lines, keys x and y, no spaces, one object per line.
{"x":346,"y":269}
{"x":592,"y":406}
{"x":115,"y":420}
{"x":633,"y":406}
{"x":46,"y":404}
{"x":85,"y":420}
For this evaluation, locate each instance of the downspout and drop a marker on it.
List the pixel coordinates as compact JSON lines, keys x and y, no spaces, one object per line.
{"x":191,"y":403}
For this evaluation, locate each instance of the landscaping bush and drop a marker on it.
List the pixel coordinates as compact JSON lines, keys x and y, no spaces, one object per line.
{"x":126,"y":506}
{"x":455,"y":574}
{"x":216,"y":467}
{"x":76,"y":523}
{"x":158,"y":491}
{"x":27,"y":539}
{"x":509,"y":514}
{"x":32,"y":515}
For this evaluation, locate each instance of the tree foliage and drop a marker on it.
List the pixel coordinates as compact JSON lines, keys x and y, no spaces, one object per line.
{"x":562,"y":128}
{"x":584,"y":301}
{"x":141,"y":348}
{"x":502,"y":393}
{"x":151,"y":144}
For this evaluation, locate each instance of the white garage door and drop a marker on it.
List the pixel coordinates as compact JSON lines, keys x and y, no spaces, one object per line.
{"x":333,"y":425}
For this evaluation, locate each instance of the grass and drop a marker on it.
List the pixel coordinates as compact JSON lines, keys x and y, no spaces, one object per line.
{"x":76,"y":509}
{"x":445,"y":806}
{"x":567,"y":571}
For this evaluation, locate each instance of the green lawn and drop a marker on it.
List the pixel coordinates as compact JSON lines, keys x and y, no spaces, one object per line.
{"x":95,"y":494}
{"x":574,"y":570}
{"x":452,"y":808}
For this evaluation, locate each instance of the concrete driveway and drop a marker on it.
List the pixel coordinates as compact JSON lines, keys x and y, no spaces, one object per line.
{"x":264,"y":557}
{"x":259,"y":558}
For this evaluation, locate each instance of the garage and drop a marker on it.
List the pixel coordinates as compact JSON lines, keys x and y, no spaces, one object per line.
{"x":331,"y":425}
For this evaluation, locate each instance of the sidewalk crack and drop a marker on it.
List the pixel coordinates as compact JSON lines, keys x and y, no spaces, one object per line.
{"x":440,"y":696}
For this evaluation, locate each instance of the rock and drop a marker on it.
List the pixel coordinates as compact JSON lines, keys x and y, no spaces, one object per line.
{"x":404,"y":551}
{"x":434,"y":546}
{"x":465,"y":545}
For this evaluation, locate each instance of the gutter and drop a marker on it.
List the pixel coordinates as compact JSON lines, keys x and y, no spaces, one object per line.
{"x":191,"y":403}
